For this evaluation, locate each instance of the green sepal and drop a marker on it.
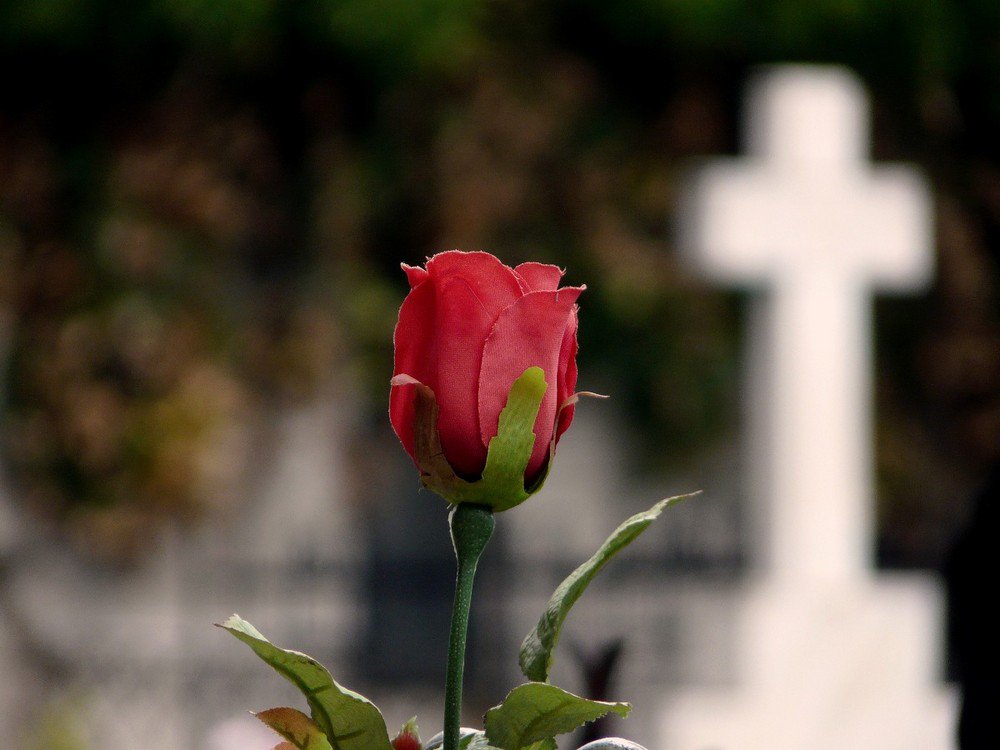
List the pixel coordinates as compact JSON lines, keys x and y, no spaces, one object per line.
{"x":349,"y":720}
{"x":295,"y":727}
{"x":501,"y":486}
{"x":410,"y":727}
{"x":536,"y":712}
{"x":538,"y":645}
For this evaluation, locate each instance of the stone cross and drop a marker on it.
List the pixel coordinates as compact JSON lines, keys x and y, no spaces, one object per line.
{"x":807,"y":220}
{"x":828,"y":654}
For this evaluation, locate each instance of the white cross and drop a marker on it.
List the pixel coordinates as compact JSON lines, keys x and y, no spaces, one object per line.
{"x":805,"y":218}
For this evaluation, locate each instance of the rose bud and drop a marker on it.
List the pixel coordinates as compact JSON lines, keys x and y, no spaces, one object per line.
{"x":484,"y":376}
{"x":408,"y":737}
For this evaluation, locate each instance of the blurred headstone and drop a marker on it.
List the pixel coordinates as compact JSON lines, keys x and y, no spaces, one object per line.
{"x":830,"y":655}
{"x":139,"y":644}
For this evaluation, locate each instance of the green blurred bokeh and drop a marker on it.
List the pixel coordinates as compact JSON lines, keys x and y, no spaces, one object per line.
{"x":203,"y":204}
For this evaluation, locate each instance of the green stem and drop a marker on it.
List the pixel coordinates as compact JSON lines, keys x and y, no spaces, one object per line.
{"x":471,"y":528}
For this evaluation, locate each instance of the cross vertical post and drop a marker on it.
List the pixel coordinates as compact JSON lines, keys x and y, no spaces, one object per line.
{"x":814,"y":230}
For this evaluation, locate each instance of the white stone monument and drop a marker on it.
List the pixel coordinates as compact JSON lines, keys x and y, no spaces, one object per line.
{"x":141,"y":647}
{"x":830,"y":653}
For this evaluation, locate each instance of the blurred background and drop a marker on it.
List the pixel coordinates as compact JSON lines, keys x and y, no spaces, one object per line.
{"x":203,"y":208}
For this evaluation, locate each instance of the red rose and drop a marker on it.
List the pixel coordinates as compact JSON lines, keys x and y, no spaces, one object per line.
{"x":468,"y":329}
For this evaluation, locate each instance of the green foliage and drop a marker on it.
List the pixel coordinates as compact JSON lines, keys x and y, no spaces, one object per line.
{"x":928,"y":33}
{"x":536,"y":711}
{"x":239,"y":25}
{"x":536,"y":651}
{"x":349,"y":720}
{"x":58,"y":19}
{"x":436,"y":36}
{"x":209,"y":178}
{"x":531,"y":715}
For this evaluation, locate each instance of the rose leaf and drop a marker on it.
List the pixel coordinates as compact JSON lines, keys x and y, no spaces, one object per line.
{"x":349,"y":720}
{"x":536,"y":711}
{"x":538,"y":645}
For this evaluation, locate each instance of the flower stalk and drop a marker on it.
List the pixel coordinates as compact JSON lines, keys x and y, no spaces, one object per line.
{"x":471,"y":528}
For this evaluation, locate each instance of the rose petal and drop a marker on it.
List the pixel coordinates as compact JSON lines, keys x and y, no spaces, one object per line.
{"x":463,"y":322}
{"x":414,"y":274}
{"x":539,"y":276}
{"x":567,"y":370}
{"x":414,"y":339}
{"x":531,"y":332}
{"x":439,"y":339}
{"x":472,"y":289}
{"x":491,"y":281}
